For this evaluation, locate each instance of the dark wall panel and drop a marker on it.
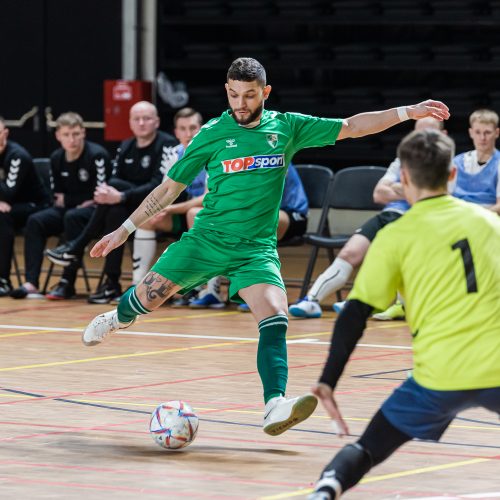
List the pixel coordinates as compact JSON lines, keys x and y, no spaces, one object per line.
{"x":21,"y":69}
{"x":58,"y":53}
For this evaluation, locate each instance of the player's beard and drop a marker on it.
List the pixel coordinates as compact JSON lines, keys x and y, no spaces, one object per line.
{"x":252,"y":117}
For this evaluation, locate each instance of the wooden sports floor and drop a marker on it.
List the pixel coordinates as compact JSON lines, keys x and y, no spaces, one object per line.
{"x":74,"y":420}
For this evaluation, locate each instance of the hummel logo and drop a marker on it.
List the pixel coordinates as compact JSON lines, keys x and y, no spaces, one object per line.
{"x":231,"y":143}
{"x":109,"y":293}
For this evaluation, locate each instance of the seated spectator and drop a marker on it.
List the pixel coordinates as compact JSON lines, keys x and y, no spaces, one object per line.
{"x":387,"y":191}
{"x":292,"y":223}
{"x":187,"y":123}
{"x":137,"y":170}
{"x":478,"y":171}
{"x":77,"y":168}
{"x":21,"y":194}
{"x":478,"y":175}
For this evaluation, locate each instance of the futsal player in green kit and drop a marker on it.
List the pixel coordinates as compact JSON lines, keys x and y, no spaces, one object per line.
{"x":443,"y":256}
{"x":246,"y":152}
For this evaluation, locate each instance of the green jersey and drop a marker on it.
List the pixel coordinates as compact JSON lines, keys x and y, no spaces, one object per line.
{"x":247,"y":167}
{"x":443,"y":255}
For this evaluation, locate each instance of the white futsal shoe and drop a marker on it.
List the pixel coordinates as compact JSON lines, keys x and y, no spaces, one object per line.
{"x":101,"y":326}
{"x":280,"y":413}
{"x":305,"y":308}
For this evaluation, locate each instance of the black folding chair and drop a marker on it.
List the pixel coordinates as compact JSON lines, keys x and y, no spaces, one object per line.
{"x":316,"y":180}
{"x":352,"y":189}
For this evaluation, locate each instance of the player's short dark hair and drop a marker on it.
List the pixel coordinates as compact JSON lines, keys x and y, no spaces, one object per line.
{"x":427,"y":155}
{"x":247,"y":69}
{"x":187,"y":113}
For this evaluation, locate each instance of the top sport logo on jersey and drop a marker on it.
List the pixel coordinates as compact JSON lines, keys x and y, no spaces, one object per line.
{"x":253,"y":162}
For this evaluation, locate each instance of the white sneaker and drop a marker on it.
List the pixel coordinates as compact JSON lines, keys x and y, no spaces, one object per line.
{"x":338,"y":306}
{"x":327,"y":488}
{"x":101,"y":325}
{"x":280,"y":413}
{"x":305,"y":308}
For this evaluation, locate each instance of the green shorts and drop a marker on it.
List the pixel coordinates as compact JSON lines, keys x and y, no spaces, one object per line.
{"x":202,"y":254}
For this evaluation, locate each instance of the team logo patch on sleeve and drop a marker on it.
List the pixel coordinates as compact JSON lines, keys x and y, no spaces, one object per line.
{"x":253,"y":162}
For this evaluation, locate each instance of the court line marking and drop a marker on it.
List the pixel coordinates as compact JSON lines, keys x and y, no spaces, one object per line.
{"x":202,"y":409}
{"x":153,"y":353}
{"x":38,"y":330}
{"x":111,"y":488}
{"x":39,"y":397}
{"x":148,"y":473}
{"x":472,"y":495}
{"x":395,"y":475}
{"x":116,"y":356}
{"x":248,"y":412}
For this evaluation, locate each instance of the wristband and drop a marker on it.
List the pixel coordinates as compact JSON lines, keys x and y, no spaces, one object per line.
{"x":402,"y":113}
{"x":129,"y":226}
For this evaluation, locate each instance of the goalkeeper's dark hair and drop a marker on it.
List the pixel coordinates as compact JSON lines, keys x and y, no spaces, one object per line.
{"x":427,"y":155}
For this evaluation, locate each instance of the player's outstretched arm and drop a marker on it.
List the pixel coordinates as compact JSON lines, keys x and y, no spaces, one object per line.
{"x":377,"y":121}
{"x":162,"y":196}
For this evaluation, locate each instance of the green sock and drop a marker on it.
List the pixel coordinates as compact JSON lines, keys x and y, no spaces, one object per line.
{"x":271,"y":356}
{"x":130,"y":306}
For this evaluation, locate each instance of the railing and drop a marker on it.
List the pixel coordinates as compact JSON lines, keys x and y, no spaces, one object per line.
{"x":50,"y":123}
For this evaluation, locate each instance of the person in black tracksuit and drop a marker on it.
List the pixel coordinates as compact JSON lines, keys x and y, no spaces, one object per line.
{"x":21,"y":194}
{"x":77,"y":168}
{"x":137,"y":170}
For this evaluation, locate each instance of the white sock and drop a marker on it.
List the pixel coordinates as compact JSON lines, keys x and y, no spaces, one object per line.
{"x":331,"y":280}
{"x":144,"y":252}
{"x":213,"y":286}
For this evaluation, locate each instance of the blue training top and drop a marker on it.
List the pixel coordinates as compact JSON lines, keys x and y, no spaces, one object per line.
{"x":480,"y":188}
{"x":294,"y":197}
{"x":197,"y":187}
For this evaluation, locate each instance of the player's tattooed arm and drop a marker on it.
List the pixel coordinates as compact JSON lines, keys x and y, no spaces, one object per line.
{"x":153,"y":206}
{"x":162,"y":196}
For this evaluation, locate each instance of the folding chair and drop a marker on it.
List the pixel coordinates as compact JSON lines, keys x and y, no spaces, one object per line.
{"x":352,"y":189}
{"x":316,"y":180}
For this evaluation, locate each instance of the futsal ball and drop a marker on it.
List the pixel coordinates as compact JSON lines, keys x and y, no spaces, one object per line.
{"x":173,"y":425}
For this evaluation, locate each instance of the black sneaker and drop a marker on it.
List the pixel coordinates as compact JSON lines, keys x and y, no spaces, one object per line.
{"x":63,"y":255}
{"x":5,"y":287}
{"x":62,"y":291}
{"x":105,"y":293}
{"x":23,"y":292}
